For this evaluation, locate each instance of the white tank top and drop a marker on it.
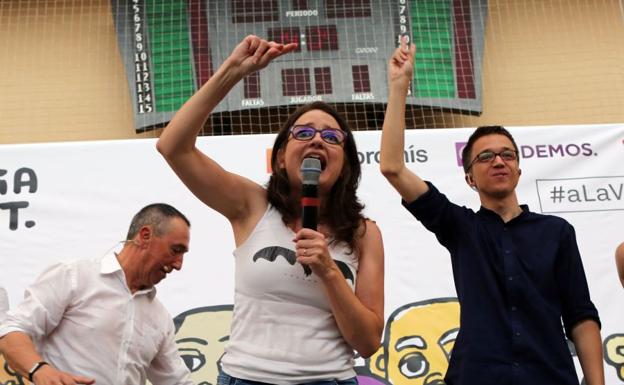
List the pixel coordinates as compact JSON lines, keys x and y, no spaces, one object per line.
{"x":283,"y":330}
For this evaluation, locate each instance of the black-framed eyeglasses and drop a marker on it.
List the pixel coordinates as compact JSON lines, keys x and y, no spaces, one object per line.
{"x":488,"y":156}
{"x":329,"y":135}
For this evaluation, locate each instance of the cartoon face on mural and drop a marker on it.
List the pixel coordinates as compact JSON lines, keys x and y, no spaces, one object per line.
{"x":7,"y":375}
{"x":418,"y":341}
{"x":614,"y":353}
{"x":201,"y":334}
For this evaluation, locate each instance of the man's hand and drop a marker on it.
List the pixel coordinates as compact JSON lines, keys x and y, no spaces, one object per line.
{"x":401,"y":64}
{"x":47,"y":375}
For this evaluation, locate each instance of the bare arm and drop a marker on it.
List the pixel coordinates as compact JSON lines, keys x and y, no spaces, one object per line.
{"x":392,"y":162}
{"x":619,"y":262}
{"x":20,"y":353}
{"x":588,"y":344}
{"x":359,"y":315}
{"x":202,"y":175}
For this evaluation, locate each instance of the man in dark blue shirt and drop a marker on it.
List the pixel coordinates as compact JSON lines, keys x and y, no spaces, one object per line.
{"x":518,"y":274}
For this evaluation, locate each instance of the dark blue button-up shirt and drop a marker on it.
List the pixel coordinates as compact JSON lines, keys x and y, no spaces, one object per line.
{"x":516,"y":282}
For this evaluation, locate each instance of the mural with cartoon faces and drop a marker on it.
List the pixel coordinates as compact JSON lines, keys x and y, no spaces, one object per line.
{"x":7,"y":375}
{"x":417,"y":345}
{"x":614,"y":353}
{"x":201,"y":334}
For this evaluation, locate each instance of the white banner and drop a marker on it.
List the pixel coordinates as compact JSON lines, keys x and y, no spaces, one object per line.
{"x":75,"y":200}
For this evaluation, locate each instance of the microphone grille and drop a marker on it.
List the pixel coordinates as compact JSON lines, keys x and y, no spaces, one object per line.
{"x":311,"y":171}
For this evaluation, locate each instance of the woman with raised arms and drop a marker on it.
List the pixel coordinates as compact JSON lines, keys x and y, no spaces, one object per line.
{"x":304,"y":299}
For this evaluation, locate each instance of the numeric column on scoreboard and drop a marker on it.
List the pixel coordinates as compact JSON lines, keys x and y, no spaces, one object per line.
{"x":144,"y":99}
{"x":155,"y":43}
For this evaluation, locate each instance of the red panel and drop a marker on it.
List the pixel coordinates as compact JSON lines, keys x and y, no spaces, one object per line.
{"x":322,"y":80}
{"x":201,"y":43}
{"x":251,"y":85}
{"x":347,"y":8}
{"x":361,"y":79}
{"x":464,"y":68}
{"x":285,"y":35}
{"x":322,"y":38}
{"x":296,"y":81}
{"x":299,"y":5}
{"x":253,"y":11}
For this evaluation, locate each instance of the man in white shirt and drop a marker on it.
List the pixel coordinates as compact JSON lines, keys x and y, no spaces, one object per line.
{"x":99,"y":320}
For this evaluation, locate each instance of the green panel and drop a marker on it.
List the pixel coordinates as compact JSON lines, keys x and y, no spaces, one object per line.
{"x":432,"y":32}
{"x":170,"y":47}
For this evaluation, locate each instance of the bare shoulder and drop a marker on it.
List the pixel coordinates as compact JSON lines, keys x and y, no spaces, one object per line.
{"x":370,"y":241}
{"x":371,"y":229}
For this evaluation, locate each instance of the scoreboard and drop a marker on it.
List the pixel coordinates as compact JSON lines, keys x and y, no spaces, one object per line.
{"x":342,"y":55}
{"x":170,"y":48}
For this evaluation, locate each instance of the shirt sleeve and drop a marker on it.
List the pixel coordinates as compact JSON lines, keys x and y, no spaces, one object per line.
{"x":44,"y":303}
{"x":574,"y":291}
{"x":168,"y":368}
{"x":438,"y":214}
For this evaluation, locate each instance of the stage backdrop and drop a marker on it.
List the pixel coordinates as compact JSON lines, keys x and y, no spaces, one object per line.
{"x":75,"y":200}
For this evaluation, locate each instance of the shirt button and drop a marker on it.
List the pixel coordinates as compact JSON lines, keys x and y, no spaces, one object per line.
{"x":506,"y":251}
{"x":516,"y":364}
{"x":517,"y":334}
{"x":510,"y":278}
{"x":513,"y":308}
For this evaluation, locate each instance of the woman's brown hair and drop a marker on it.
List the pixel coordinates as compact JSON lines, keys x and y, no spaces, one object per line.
{"x":341,"y":211}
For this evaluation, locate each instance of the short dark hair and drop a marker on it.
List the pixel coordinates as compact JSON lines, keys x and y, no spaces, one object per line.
{"x":479,"y":133}
{"x":156,"y":215}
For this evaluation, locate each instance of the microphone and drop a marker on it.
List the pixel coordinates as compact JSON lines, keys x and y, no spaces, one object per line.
{"x":310,"y":172}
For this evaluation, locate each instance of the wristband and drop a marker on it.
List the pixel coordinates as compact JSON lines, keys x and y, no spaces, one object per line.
{"x":35,"y":367}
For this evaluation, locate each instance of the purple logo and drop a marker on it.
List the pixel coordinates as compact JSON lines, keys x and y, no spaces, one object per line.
{"x":459,"y":147}
{"x":556,"y":150}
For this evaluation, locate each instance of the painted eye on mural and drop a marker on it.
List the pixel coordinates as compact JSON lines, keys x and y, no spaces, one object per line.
{"x":413,"y":365}
{"x":447,"y":341}
{"x":193,"y":358}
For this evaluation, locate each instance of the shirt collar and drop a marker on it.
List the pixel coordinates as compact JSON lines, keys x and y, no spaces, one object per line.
{"x":109,"y":264}
{"x":488,"y":212}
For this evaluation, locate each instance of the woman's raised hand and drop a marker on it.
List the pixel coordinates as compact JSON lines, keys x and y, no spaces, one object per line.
{"x":255,"y":53}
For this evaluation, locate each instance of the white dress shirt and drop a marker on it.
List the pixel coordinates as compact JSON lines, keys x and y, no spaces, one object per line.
{"x":84,"y":320}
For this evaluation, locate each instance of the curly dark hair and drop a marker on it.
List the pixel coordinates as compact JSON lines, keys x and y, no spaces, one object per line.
{"x":342,"y":210}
